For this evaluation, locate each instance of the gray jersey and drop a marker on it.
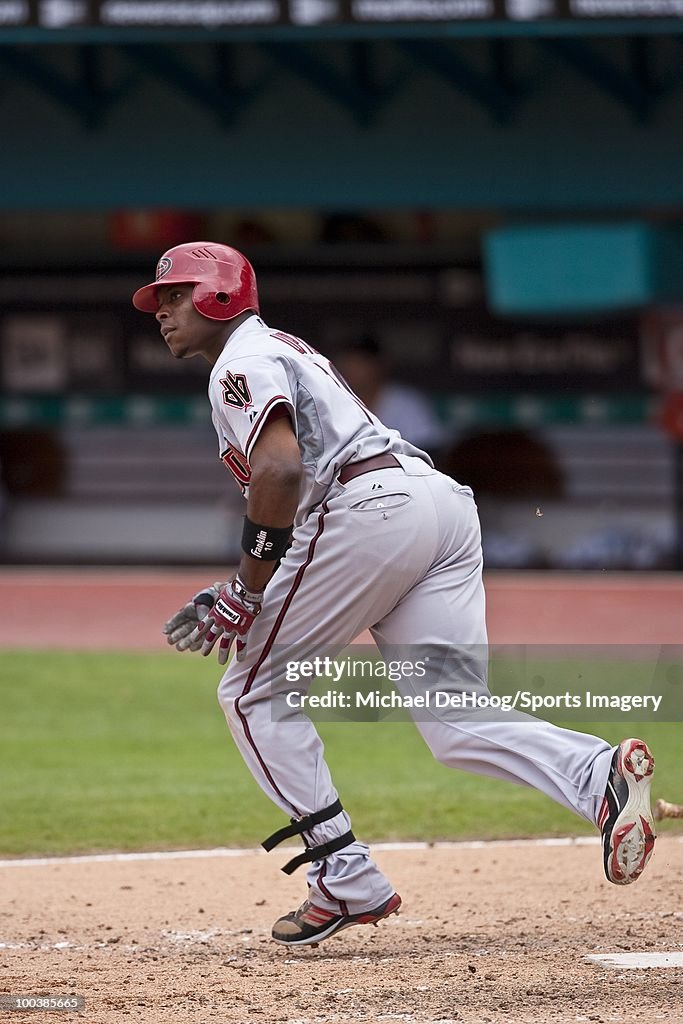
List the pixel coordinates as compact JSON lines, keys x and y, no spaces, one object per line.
{"x":261,"y":369}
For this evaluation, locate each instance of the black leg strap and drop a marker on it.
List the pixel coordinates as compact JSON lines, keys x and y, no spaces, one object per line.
{"x":301,"y":825}
{"x":312,"y":853}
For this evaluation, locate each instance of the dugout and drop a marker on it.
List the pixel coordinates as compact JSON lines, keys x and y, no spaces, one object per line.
{"x":378,"y":161}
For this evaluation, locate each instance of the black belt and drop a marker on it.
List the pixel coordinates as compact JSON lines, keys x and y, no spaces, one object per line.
{"x":354,"y":469}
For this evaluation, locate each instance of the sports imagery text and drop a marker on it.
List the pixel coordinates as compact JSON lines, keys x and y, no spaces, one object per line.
{"x":522,"y":700}
{"x":343,"y":672}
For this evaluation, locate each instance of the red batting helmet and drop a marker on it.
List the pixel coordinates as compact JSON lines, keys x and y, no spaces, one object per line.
{"x":224,"y":280}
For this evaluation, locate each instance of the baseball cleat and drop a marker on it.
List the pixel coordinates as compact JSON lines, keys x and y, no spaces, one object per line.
{"x":310,"y":924}
{"x":626,"y":819}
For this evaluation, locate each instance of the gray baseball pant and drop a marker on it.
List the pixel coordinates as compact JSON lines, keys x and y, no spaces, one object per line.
{"x":397,"y":551}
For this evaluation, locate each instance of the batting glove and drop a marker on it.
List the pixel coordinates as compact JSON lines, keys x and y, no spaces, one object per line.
{"x":180,"y":627}
{"x":232,"y":616}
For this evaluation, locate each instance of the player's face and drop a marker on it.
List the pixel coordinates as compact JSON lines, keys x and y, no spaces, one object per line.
{"x":186,"y":332}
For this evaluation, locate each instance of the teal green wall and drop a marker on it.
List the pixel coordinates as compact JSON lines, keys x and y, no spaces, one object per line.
{"x":568,"y":144}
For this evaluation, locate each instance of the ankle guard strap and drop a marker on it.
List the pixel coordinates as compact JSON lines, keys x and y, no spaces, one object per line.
{"x":301,"y":825}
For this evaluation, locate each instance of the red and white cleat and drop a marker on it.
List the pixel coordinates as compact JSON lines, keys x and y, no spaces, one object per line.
{"x":310,"y":924}
{"x":626,"y":820}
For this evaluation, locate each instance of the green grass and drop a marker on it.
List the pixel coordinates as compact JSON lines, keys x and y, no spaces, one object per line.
{"x":122,"y":751}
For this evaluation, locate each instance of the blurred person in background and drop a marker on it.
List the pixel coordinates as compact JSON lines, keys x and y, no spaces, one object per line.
{"x":400,"y":406}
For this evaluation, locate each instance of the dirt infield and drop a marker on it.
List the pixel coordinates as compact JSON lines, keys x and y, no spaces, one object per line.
{"x":496,"y":934}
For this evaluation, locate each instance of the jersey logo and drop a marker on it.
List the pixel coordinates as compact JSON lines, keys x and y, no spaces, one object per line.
{"x":236,"y":391}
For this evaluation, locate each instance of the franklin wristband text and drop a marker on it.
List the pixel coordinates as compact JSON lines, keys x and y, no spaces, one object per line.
{"x":267,"y":543}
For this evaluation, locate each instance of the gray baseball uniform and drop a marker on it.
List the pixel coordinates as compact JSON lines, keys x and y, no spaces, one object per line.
{"x":396,"y":550}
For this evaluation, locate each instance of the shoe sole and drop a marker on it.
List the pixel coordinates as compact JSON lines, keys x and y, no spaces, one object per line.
{"x":632,"y":837}
{"x":338,"y":926}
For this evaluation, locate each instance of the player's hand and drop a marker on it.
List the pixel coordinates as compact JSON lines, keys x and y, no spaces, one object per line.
{"x":232,"y":616}
{"x":180,"y":626}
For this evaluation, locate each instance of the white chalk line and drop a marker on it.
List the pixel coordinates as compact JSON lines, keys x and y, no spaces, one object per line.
{"x":241,"y":851}
{"x":220,"y":851}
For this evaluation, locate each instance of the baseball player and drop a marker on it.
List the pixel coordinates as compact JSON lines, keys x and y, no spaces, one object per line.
{"x":349,"y":527}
